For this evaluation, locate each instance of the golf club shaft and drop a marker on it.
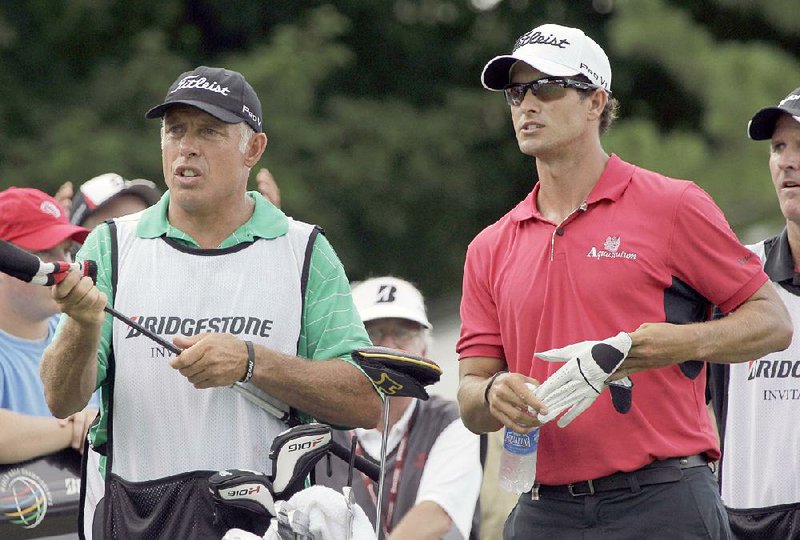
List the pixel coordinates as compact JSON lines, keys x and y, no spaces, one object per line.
{"x":136,"y":326}
{"x":275,"y":411}
{"x":384,"y":439}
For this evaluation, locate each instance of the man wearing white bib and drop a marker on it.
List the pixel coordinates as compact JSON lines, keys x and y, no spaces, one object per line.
{"x":757,"y":403}
{"x":249,"y":295}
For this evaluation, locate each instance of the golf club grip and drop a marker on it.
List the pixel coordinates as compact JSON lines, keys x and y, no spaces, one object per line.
{"x":372,"y":470}
{"x":17,"y":262}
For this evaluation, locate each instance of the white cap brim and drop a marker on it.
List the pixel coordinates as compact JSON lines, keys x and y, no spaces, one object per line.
{"x":393,"y":312}
{"x":497,"y":72}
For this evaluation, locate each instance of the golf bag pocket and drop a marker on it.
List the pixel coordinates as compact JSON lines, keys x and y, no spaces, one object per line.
{"x":178,"y":506}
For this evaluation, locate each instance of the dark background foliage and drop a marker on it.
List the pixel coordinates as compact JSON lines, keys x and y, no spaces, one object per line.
{"x":379,"y":130}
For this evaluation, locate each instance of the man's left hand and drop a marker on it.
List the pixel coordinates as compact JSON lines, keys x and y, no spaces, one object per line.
{"x":576,"y":385}
{"x":211,"y":360}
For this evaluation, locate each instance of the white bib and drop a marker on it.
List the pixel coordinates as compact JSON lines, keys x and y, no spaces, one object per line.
{"x":760,"y":466}
{"x":161,"y":424}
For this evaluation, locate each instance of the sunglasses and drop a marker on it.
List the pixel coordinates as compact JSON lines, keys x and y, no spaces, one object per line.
{"x":401,"y":335}
{"x":544,"y":89}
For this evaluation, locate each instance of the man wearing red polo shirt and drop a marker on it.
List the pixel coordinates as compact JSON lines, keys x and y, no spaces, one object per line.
{"x":602,"y":250}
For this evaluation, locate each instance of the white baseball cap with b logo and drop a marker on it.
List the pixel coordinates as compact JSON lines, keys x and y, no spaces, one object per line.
{"x":389,"y":298}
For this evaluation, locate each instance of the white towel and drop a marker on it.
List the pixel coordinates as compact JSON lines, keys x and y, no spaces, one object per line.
{"x":239,"y":534}
{"x":322,"y":514}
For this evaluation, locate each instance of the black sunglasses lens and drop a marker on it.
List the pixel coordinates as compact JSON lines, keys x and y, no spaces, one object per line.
{"x":551,"y":91}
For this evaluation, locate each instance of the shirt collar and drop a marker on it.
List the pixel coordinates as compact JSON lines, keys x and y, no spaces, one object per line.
{"x":779,"y":263}
{"x":370,"y":439}
{"x":612,"y":183}
{"x":267,"y":221}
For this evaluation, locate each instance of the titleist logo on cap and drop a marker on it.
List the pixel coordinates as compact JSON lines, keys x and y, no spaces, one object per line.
{"x":193,"y":81}
{"x":536,"y":37}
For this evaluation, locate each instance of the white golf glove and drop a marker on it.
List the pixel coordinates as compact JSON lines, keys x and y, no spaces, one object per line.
{"x":577,"y":383}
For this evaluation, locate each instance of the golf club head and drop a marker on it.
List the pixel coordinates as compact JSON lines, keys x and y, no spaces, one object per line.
{"x":294,"y":453}
{"x":249,"y":490}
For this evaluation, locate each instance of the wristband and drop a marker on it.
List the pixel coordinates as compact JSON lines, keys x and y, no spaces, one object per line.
{"x":251,"y":362}
{"x":491,"y":382}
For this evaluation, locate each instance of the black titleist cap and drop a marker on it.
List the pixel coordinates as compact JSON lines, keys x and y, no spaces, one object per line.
{"x":222,"y":93}
{"x":762,"y":125}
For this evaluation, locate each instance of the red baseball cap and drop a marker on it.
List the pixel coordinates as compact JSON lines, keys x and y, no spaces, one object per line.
{"x":33,"y":220}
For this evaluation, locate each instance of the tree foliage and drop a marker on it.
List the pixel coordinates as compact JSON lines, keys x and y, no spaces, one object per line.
{"x":378,"y":128}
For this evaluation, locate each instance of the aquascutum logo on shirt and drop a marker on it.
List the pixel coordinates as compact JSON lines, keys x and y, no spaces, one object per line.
{"x":610,"y":250}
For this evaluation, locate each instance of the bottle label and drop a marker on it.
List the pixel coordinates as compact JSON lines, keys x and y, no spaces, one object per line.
{"x":517,"y":443}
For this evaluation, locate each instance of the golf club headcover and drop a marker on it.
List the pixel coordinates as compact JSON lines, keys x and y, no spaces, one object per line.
{"x":249,"y":490}
{"x":294,"y":452}
{"x":398,"y":373}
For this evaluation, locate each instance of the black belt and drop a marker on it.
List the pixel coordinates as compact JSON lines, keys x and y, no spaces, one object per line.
{"x":657,"y":472}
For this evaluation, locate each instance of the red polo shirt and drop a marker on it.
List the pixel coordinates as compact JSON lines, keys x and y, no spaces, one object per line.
{"x":644,"y":248}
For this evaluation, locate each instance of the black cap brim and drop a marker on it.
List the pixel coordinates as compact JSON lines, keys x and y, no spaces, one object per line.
{"x":217,"y":112}
{"x":762,"y":125}
{"x":496,"y":74}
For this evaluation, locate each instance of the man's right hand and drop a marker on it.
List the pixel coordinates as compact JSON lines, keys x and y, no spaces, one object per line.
{"x":268,"y":187}
{"x":80,"y":299}
{"x":513,"y":403}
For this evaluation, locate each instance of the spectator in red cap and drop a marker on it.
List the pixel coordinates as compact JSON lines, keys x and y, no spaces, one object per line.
{"x":34,"y":221}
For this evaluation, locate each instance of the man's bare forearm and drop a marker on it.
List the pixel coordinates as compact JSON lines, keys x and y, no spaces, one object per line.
{"x":474,"y":376}
{"x":331,"y":390}
{"x":761,"y":325}
{"x":69,"y":368}
{"x":25,"y":437}
{"x":425,"y":521}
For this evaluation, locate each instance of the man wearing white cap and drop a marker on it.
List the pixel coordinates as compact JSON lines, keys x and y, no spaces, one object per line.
{"x":757,"y":403}
{"x":108,"y":196}
{"x":433,"y":469}
{"x":613,"y":270}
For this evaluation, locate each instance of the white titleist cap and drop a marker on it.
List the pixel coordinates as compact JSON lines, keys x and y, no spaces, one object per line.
{"x":389,"y":298}
{"x":553,"y":49}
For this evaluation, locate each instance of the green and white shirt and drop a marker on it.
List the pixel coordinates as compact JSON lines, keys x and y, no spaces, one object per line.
{"x":328,"y":323}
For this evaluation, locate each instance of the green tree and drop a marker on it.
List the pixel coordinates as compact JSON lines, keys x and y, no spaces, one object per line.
{"x":379,"y":129}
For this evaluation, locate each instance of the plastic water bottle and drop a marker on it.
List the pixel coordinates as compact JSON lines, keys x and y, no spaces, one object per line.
{"x":518,"y":461}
